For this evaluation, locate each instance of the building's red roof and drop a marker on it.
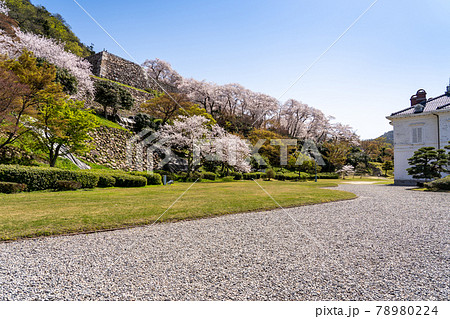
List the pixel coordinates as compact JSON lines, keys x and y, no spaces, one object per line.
{"x":437,"y":103}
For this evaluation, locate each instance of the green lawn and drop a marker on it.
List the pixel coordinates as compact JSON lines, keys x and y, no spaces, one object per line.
{"x":50,"y":213}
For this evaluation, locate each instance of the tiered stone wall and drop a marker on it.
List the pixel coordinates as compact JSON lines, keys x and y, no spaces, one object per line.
{"x":112,"y":67}
{"x":117,"y":149}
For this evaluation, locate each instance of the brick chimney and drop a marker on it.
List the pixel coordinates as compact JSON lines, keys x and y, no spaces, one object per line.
{"x":419,"y":98}
{"x":413,"y":100}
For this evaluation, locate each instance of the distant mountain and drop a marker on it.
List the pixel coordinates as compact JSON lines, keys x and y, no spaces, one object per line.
{"x":389,"y":136}
{"x":38,"y":20}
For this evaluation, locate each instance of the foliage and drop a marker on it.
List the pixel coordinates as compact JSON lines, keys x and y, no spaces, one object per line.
{"x":52,"y":52}
{"x":68,"y":81}
{"x":127,"y":180}
{"x":36,"y":81}
{"x":378,"y":149}
{"x":152,"y":178}
{"x":337,"y":152}
{"x":67,"y":185}
{"x":428,"y":163}
{"x":38,"y":20}
{"x":439,"y":184}
{"x":209,"y":176}
{"x":144,"y":121}
{"x":167,"y":106}
{"x":387,"y":166}
{"x":110,"y":94}
{"x":270,"y":173}
{"x":237,"y":176}
{"x":39,"y":178}
{"x":62,"y":126}
{"x":262,"y":138}
{"x":11,"y":188}
{"x":105,"y":180}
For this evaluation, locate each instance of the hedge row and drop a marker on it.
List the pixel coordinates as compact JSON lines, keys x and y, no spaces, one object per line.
{"x":439,"y":184}
{"x":39,"y":178}
{"x":152,"y":178}
{"x":11,"y":188}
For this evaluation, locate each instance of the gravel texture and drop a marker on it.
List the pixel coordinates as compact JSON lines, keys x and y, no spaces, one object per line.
{"x":389,"y":244}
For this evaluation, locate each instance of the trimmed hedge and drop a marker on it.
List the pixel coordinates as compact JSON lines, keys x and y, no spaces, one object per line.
{"x":127,"y":180}
{"x":152,"y":178}
{"x":67,"y":185}
{"x":209,"y":176}
{"x":439,"y":184}
{"x":325,"y":176}
{"x":105,"y":180}
{"x":11,"y":188}
{"x":255,"y":175}
{"x":237,"y":176}
{"x":39,"y":178}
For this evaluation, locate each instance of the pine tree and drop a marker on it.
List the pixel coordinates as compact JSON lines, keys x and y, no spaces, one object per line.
{"x":428,"y":163}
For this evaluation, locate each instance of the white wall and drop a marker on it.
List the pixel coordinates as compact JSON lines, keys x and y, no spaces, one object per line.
{"x":404,"y":147}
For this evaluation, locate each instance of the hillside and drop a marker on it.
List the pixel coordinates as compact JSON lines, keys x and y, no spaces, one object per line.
{"x":389,"y":136}
{"x":38,"y":20}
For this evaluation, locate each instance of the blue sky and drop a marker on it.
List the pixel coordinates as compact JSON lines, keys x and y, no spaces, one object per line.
{"x":398,"y":47}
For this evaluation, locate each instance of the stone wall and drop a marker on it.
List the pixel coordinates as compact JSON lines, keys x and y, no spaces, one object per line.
{"x":116,"y":149}
{"x":112,"y":67}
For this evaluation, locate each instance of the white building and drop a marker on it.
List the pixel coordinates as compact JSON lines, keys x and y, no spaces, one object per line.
{"x":425,"y":123}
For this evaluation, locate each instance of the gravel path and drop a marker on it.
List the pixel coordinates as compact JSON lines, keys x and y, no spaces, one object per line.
{"x":389,"y":244}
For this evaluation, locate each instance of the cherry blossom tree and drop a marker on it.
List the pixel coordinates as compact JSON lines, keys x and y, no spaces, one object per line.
{"x":161,"y":72}
{"x":53,"y":52}
{"x":184,"y":137}
{"x":3,"y":8}
{"x":228,"y":149}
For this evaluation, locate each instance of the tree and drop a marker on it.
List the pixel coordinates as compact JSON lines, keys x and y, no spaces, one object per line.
{"x":11,"y":92}
{"x":336,"y":152}
{"x":346,"y":170}
{"x":166,"y":106}
{"x":428,"y":163}
{"x":387,"y":166}
{"x":3,"y":8}
{"x":36,"y":80}
{"x":228,"y":149}
{"x":110,"y":94}
{"x":361,"y":169}
{"x":184,"y":136}
{"x":53,"y":52}
{"x":162,"y":73}
{"x":62,"y":126}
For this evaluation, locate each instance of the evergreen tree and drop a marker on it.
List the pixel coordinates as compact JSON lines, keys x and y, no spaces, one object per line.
{"x":428,"y":163}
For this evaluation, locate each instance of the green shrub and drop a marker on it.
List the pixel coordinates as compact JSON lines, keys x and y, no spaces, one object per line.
{"x":42,"y":178}
{"x":439,"y":184}
{"x":11,"y":188}
{"x":195,"y":176}
{"x":209,"y":176}
{"x":237,"y":176}
{"x":270,"y":173}
{"x":280,"y":176}
{"x":325,"y":176}
{"x":255,"y":175}
{"x":67,"y":185}
{"x":106,"y":180}
{"x":303,"y":176}
{"x":152,"y":178}
{"x":127,"y":180}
